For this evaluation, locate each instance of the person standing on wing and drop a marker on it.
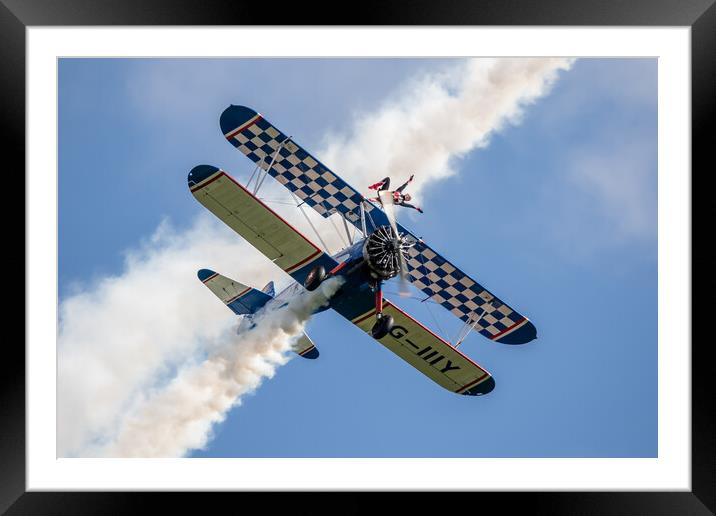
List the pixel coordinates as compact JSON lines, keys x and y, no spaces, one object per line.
{"x":399,"y":198}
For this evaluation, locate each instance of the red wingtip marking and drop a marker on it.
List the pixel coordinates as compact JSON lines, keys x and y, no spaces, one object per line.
{"x":207,"y":280}
{"x":513,"y":327}
{"x":243,"y":127}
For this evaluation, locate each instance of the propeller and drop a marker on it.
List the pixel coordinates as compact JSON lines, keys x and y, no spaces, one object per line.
{"x":386,"y":199}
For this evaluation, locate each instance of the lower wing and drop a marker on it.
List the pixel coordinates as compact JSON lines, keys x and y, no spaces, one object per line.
{"x":256,"y":222}
{"x":420,"y":347}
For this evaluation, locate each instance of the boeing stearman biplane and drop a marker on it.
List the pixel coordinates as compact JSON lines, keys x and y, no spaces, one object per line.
{"x":384,"y":250}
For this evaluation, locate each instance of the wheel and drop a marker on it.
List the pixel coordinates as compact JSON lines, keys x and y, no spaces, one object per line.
{"x":315,"y":277}
{"x":382,"y":327}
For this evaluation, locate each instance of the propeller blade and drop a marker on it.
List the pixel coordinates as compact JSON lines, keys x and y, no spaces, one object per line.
{"x":386,"y":199}
{"x":404,"y":288}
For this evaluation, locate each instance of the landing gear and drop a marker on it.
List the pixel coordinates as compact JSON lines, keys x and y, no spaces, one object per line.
{"x":315,"y":278}
{"x":384,"y":323}
{"x":382,"y":326}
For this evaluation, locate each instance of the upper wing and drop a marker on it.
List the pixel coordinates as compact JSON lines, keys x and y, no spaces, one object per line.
{"x":256,"y":222}
{"x":293,"y":167}
{"x":327,"y":193}
{"x":420,"y":347}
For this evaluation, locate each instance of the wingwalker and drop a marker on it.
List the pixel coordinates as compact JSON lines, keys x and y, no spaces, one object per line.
{"x":377,"y":250}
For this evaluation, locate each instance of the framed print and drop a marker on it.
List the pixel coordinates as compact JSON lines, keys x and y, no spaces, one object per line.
{"x":565,"y":139}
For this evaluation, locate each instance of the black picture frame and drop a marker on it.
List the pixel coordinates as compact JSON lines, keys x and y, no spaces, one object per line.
{"x":700,"y":15}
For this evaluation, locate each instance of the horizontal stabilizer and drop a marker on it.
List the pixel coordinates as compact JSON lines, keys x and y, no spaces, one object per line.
{"x":305,"y":347}
{"x":241,"y":299}
{"x":244,"y":300}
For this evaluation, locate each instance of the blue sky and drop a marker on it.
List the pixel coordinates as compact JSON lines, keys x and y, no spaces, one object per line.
{"x":557,"y":215}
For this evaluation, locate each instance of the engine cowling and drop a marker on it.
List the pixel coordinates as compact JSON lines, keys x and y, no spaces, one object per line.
{"x":380,"y":252}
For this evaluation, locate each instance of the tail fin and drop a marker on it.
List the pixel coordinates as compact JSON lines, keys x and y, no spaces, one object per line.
{"x":269,"y":289}
{"x":242,"y":300}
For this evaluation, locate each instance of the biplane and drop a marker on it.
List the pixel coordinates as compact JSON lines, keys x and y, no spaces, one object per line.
{"x":379,"y":249}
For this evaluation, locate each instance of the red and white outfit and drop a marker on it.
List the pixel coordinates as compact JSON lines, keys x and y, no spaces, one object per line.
{"x":398,"y":197}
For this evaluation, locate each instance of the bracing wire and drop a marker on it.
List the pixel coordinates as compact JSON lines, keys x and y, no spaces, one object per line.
{"x":333,"y":223}
{"x":370,"y":217}
{"x":348,"y":231}
{"x":437,"y":323}
{"x":340,"y":235}
{"x":300,"y":207}
{"x":430,"y":301}
{"x":248,"y":184}
{"x":273,"y":160}
{"x":443,"y":333}
{"x":276,"y":201}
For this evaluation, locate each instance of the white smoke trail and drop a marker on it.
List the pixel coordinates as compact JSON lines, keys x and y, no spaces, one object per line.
{"x":437,"y":118}
{"x":179,"y":417}
{"x":122,"y":336}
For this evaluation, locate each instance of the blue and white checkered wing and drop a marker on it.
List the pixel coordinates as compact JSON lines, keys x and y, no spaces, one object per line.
{"x":466,"y":298}
{"x":293,"y":166}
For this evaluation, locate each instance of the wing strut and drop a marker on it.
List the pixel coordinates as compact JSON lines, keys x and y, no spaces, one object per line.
{"x":338,"y":231}
{"x":248,"y":183}
{"x":273,"y":160}
{"x":365,"y":212}
{"x":298,"y":204}
{"x":469,"y":327}
{"x":345,"y":225}
{"x":362,"y":220}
